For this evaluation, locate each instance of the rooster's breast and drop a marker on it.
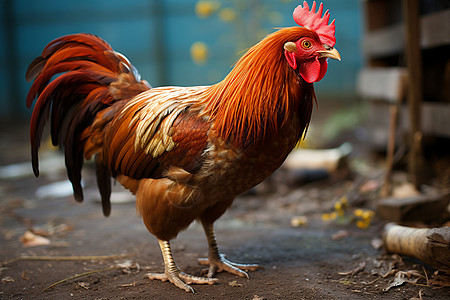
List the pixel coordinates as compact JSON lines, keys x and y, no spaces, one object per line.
{"x":229,"y":171}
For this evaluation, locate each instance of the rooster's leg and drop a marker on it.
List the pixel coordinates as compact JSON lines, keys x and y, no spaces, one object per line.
{"x":217,"y":261}
{"x":174,"y":274}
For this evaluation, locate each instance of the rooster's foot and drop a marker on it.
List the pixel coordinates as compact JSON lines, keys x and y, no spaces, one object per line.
{"x":220,"y":264}
{"x":173,"y":274}
{"x":217,"y":261}
{"x":181,"y":279}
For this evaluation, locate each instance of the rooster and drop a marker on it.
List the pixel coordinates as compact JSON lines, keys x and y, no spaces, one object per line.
{"x":184,"y":152}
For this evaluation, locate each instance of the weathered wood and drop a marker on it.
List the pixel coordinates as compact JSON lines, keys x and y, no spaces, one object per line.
{"x":384,"y":40}
{"x":415,"y":88}
{"x":431,"y":246}
{"x":386,"y":190}
{"x":435,"y":121}
{"x":424,"y":208}
{"x":388,"y":84}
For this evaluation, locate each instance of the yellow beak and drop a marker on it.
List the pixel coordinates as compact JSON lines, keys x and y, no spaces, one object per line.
{"x":332,"y":53}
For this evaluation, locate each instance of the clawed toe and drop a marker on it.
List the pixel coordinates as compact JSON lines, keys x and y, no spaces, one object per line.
{"x":173,"y":274}
{"x":217,"y":261}
{"x":181,"y":279}
{"x":221,"y":264}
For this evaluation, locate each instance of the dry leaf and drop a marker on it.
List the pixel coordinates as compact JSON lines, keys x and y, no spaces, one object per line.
{"x":352,"y":273}
{"x":127,"y":266}
{"x":298,"y":221}
{"x":377,"y":243}
{"x":339,"y":235}
{"x":440,"y":279}
{"x":84,"y":285}
{"x":50,"y":229}
{"x":418,"y":298}
{"x":128,"y":284}
{"x":24,"y":276}
{"x":369,"y":186}
{"x":7,"y":279}
{"x":401,"y":277}
{"x":30,"y":239}
{"x":234,"y":283}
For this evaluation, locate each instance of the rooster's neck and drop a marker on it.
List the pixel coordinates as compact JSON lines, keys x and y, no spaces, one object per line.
{"x":259,"y":95}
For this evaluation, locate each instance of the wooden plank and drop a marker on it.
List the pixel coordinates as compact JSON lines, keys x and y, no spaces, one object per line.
{"x":384,"y":42}
{"x":421,"y":207}
{"x":388,"y":41}
{"x":435,"y":122}
{"x":387,"y":84}
{"x":435,"y":29}
{"x":434,"y":118}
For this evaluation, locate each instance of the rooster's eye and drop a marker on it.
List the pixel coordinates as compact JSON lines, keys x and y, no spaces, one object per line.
{"x":306,"y":44}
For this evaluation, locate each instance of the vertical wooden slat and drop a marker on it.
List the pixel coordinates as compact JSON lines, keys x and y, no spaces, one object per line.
{"x":415,"y":93}
{"x":393,"y":111}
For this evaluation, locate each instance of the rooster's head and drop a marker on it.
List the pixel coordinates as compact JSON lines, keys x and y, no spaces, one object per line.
{"x":308,"y":55}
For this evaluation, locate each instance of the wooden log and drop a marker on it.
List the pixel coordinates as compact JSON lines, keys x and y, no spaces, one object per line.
{"x":431,"y":246}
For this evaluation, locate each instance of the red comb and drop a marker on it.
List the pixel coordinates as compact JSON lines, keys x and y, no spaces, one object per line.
{"x":314,"y":20}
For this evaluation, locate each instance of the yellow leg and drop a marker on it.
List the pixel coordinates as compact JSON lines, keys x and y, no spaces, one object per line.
{"x":174,"y":274}
{"x":217,"y":261}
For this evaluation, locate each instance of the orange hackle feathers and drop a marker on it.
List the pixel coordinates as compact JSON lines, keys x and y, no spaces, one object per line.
{"x":260,"y":92}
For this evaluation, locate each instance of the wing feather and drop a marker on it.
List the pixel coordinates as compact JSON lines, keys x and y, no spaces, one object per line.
{"x":156,"y":131}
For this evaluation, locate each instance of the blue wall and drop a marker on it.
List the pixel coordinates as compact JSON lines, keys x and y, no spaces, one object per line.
{"x":157,"y":35}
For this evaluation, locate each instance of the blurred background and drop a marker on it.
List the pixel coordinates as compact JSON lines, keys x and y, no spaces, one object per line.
{"x":171,"y":42}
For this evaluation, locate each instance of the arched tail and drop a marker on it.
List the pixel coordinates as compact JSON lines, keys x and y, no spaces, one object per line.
{"x":75,"y":78}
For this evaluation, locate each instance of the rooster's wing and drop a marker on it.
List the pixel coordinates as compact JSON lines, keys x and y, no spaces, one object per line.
{"x":157,"y":131}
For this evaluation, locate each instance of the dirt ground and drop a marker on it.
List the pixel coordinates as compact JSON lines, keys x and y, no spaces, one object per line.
{"x":316,"y":260}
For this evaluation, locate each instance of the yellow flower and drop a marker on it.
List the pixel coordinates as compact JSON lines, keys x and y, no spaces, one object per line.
{"x":363,"y":224}
{"x":338,"y":206}
{"x":199,"y":52}
{"x":205,"y":8}
{"x":227,"y":14}
{"x":326,"y":217}
{"x":368,"y":215}
{"x":358,"y":212}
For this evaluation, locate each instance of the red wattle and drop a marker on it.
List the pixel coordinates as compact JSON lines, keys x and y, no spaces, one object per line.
{"x":323,"y":68}
{"x":313,"y":70}
{"x":309,"y":70}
